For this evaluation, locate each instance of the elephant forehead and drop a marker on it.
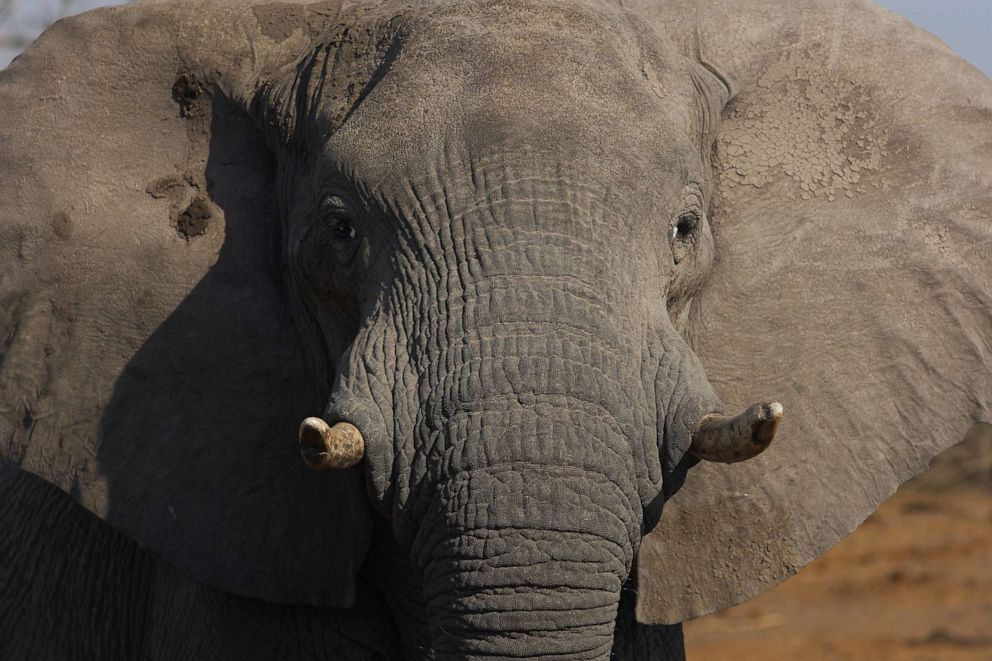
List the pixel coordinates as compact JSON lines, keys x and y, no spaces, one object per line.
{"x":573,"y":80}
{"x":525,"y":37}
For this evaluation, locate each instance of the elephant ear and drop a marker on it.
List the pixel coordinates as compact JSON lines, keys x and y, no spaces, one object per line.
{"x":853,"y":219}
{"x":151,"y":366}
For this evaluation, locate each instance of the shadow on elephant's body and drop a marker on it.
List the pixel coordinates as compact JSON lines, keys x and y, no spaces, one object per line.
{"x":199,"y":439}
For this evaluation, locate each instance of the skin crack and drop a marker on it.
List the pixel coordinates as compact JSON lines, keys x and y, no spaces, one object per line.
{"x":805,"y":123}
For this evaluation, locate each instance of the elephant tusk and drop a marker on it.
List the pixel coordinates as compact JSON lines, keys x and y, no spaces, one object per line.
{"x":326,"y":448}
{"x":728,"y":440}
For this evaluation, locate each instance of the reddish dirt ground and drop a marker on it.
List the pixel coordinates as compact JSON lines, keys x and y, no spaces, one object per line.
{"x":913,"y":582}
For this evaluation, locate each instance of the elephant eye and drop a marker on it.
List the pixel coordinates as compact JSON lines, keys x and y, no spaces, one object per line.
{"x":337,"y":215}
{"x":342,"y":230}
{"x":685,"y":228}
{"x":683,"y":235}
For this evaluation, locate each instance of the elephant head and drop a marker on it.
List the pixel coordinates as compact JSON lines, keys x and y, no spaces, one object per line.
{"x":484,"y":251}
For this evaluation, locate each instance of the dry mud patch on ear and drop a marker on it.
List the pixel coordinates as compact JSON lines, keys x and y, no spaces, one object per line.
{"x":191,"y":211}
{"x":186,"y":93}
{"x":805,"y":127}
{"x":196,"y":218}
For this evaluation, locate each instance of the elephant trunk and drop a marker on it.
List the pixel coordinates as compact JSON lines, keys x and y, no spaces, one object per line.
{"x":528,"y":563}
{"x":524,"y":512}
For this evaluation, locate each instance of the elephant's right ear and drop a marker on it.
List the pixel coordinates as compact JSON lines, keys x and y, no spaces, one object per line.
{"x":853,"y":283}
{"x":150,"y":363}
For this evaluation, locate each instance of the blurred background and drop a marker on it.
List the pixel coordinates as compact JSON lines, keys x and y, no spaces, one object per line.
{"x":915,"y":581}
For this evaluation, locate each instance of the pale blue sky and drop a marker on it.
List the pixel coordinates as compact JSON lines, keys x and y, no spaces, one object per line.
{"x":966,"y":25}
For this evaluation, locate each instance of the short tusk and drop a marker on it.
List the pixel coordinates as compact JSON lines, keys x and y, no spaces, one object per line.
{"x":327,"y":448}
{"x":729,"y":440}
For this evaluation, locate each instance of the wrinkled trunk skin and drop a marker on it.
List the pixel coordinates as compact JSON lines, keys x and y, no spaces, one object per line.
{"x":526,"y":531}
{"x":527,"y":564}
{"x":525,"y":523}
{"x":525,"y":519}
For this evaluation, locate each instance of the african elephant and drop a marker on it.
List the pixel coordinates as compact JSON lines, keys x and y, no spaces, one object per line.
{"x":483,"y":251}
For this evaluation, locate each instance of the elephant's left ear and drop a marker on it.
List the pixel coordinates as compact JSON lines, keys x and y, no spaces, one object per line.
{"x":853,"y":224}
{"x":150,"y":365}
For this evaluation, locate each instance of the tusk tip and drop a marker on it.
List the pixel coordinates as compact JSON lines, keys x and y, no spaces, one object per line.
{"x":728,"y":440}
{"x":765,"y":423}
{"x":774,"y":410}
{"x":325,"y":448}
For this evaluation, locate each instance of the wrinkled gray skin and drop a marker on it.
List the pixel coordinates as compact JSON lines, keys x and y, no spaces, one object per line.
{"x":522,"y":391}
{"x":516,"y":376}
{"x":490,"y":220}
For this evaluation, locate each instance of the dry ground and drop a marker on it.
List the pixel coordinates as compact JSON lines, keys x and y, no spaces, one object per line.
{"x":913,"y":582}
